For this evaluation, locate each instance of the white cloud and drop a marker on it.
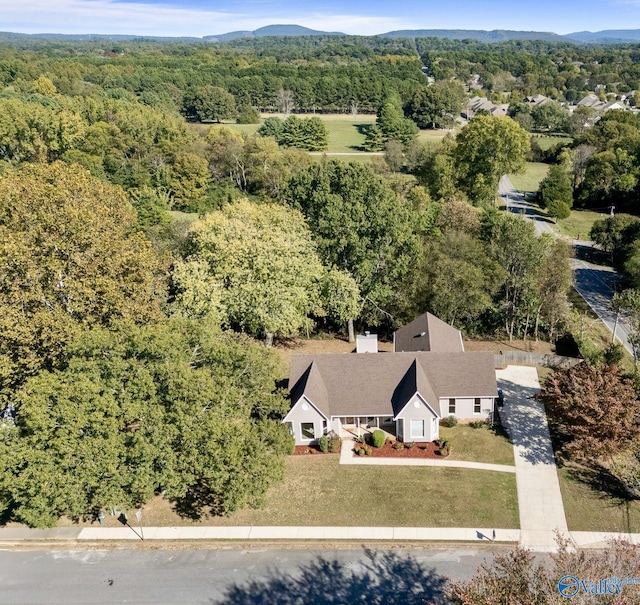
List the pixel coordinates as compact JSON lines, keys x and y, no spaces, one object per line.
{"x":106,"y":16}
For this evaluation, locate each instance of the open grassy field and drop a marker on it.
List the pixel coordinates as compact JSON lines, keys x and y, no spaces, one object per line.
{"x":579,"y":223}
{"x":530,"y":180}
{"x":346,"y":132}
{"x":590,"y":508}
{"x":318,"y":491}
{"x":546,"y":142}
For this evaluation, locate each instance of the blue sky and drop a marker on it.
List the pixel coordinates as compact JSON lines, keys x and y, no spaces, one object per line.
{"x":203,"y":17}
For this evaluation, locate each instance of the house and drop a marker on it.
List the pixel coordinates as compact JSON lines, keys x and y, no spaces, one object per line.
{"x":536,"y":100}
{"x":476,"y":104}
{"x":428,"y":377}
{"x":592,"y":101}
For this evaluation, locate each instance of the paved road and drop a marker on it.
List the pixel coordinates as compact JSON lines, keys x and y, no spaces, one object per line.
{"x":594,"y":282}
{"x":204,"y":576}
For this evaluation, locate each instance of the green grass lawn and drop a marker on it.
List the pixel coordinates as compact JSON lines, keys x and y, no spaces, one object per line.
{"x":546,"y":141}
{"x":579,"y":223}
{"x":529,"y":181}
{"x":346,"y":132}
{"x":317,"y":491}
{"x":477,"y":445}
{"x":590,"y":509}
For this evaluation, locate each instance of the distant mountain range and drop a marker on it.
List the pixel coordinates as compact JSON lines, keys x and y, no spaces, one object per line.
{"x":609,"y":36}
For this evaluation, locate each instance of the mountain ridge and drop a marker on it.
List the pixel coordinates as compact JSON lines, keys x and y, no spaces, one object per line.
{"x":613,"y":36}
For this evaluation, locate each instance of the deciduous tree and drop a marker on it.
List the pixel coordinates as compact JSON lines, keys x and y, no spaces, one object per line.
{"x":486,"y":148}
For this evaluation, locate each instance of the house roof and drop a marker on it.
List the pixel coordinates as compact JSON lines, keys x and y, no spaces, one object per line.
{"x":370,"y":385}
{"x":310,"y":384}
{"x":428,"y":333}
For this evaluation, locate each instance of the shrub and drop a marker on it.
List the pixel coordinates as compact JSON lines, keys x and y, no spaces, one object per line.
{"x":360,"y":439}
{"x":378,"y":438}
{"x":445,"y":448}
{"x":362,"y":450}
{"x":450,"y":421}
{"x":323,"y":444}
{"x":398,"y":445}
{"x":409,"y":445}
{"x":477,"y":424}
{"x":334,"y":444}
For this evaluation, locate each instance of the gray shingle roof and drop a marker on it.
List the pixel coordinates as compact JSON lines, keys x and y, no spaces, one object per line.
{"x":428,"y":333}
{"x":369,"y":385}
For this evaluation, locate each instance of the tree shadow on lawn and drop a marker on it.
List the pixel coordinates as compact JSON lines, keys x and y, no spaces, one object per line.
{"x":197,"y":503}
{"x":379,"y":578}
{"x":600,"y":480}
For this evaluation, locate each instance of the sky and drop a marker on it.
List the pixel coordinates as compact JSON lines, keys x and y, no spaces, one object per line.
{"x":362,"y":17}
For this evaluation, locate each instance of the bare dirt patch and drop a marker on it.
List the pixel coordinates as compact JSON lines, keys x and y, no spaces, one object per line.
{"x":318,"y":346}
{"x":496,"y":346}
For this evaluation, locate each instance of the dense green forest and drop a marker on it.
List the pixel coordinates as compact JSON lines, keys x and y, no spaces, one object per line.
{"x":143,"y":258}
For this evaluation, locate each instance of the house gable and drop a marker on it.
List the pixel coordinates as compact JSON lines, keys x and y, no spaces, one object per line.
{"x":409,"y":410}
{"x":304,"y":409}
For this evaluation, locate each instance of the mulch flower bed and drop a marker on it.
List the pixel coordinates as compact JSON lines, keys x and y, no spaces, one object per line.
{"x":307,"y":450}
{"x":419,"y":450}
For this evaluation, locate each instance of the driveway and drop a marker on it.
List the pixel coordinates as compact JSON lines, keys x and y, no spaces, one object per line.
{"x":539,"y":498}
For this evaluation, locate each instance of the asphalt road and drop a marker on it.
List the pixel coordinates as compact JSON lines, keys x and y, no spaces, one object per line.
{"x":594,"y":282}
{"x":215,"y":575}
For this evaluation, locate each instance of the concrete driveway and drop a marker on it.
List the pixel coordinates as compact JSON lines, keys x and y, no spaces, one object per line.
{"x":539,"y":498}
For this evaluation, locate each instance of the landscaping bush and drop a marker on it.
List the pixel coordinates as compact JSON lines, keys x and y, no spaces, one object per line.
{"x":334,"y":443}
{"x":398,"y":445}
{"x":445,"y":449}
{"x":378,"y":438}
{"x":450,"y":421}
{"x":409,"y":445}
{"x":477,"y":424}
{"x":362,"y":450}
{"x":323,"y":444}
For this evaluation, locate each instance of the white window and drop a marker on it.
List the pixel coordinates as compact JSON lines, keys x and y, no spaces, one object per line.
{"x":417,"y":429}
{"x":307,"y":430}
{"x":476,"y":405}
{"x":452,"y":406}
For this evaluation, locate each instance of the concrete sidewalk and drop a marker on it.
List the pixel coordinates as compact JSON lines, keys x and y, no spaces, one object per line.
{"x":80,"y":535}
{"x":539,"y":498}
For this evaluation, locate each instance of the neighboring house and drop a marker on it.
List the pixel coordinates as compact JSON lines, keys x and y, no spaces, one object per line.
{"x":475,"y":104}
{"x":537,"y":100}
{"x":592,"y":101}
{"x":404,"y":393}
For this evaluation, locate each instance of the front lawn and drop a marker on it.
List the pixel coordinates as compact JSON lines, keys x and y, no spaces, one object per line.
{"x":477,"y":445}
{"x":317,"y":491}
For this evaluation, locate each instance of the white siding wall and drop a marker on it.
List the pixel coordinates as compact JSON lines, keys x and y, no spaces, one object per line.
{"x":297,"y":415}
{"x":465,"y":408}
{"x":422,"y":412}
